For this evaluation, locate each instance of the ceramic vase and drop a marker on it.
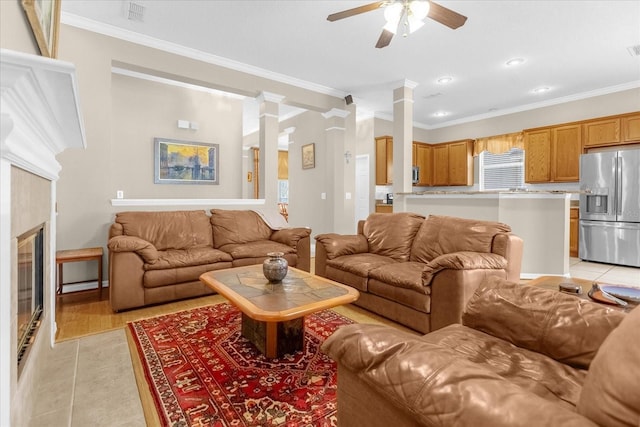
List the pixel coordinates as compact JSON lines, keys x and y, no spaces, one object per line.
{"x":275,"y":267}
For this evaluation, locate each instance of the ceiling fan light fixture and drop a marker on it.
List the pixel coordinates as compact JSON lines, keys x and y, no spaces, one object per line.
{"x":393,"y":14}
{"x":419,"y":9}
{"x":414,"y":23}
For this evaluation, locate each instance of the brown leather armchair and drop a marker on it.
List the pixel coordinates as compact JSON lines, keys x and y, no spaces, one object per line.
{"x":524,"y":356}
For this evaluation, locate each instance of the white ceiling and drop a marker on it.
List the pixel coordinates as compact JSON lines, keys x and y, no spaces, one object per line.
{"x":575,"y":48}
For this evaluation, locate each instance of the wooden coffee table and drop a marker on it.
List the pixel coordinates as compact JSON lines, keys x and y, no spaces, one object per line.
{"x":273,"y":314}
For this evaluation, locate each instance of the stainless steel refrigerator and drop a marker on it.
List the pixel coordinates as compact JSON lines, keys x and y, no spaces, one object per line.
{"x":610,"y":209}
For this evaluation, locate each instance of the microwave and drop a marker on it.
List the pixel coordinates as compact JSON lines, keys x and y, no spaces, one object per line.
{"x":415,"y":174}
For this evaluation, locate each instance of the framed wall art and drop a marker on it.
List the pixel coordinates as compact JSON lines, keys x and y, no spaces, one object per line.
{"x":44,"y":19}
{"x":185,"y":162}
{"x":309,"y":156}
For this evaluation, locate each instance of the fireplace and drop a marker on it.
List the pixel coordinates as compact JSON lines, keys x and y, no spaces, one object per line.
{"x":30,"y":272}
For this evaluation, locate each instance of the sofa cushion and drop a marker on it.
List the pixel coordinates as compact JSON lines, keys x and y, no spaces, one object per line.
{"x":407,"y":275}
{"x":404,"y":296}
{"x":168,"y":230}
{"x":392,"y":235}
{"x":462,"y":261}
{"x":256,"y":249}
{"x":175,"y":276}
{"x":439,"y":235}
{"x":611,"y":392}
{"x":174,"y":258}
{"x":237,"y":226}
{"x":534,"y":372}
{"x":336,"y":245}
{"x":359,"y":264}
{"x":567,"y":328}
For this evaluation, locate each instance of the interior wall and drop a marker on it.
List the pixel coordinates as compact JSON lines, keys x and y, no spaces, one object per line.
{"x":15,"y":31}
{"x":365,"y":145}
{"x":306,"y":207}
{"x":143,"y":110}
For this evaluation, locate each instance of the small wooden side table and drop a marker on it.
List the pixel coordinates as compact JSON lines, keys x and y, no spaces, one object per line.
{"x":77,"y":255}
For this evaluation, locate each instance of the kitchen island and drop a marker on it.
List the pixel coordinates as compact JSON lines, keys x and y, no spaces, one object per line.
{"x":540,"y":218}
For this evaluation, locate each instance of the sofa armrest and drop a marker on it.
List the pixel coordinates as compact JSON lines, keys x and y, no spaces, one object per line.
{"x":435,"y":385}
{"x":510,"y":247}
{"x":290,"y":236}
{"x":337,"y":245}
{"x":146,"y":250}
{"x":463,"y":261}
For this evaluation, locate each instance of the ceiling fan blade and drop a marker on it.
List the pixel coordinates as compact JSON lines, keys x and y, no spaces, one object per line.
{"x":385,"y":39}
{"x":446,"y":16}
{"x":355,"y":11}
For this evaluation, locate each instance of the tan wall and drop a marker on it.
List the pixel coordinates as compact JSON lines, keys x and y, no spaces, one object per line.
{"x":15,"y":32}
{"x":143,"y":110}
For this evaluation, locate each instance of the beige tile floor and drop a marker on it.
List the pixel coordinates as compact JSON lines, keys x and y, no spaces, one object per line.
{"x":90,"y":380}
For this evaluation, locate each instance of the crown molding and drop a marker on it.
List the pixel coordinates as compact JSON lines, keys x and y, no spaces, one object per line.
{"x":336,"y":112}
{"x":269,"y":97}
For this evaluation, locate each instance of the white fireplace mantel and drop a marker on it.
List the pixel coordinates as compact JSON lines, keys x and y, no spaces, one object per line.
{"x":40,"y":117}
{"x":40,"y":111}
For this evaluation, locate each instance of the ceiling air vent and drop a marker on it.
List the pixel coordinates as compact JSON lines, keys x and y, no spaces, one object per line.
{"x":135,"y":12}
{"x":634,"y":50}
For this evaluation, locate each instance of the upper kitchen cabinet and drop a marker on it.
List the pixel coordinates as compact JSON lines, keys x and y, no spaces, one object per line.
{"x":601,"y":132}
{"x":537,"y":149}
{"x":566,"y":148}
{"x":630,"y":128}
{"x":423,"y":159}
{"x":384,"y":160}
{"x":553,"y":154}
{"x":453,"y":163}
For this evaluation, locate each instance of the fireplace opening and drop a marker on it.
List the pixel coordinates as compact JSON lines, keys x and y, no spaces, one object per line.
{"x":30,"y":289}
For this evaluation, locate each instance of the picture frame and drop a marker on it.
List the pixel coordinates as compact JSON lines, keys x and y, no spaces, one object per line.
{"x":44,"y":19}
{"x":185,"y":162}
{"x":309,"y":156}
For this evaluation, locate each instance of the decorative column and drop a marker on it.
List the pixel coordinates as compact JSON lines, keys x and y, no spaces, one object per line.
{"x":340,"y":148}
{"x":268,"y":164}
{"x":402,"y":141}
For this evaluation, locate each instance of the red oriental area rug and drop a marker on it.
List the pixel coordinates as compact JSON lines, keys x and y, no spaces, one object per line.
{"x":199,"y":371}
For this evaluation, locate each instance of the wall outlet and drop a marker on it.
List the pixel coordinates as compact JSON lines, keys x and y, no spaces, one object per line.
{"x":119,"y":194}
{"x":347,"y":196}
{"x":323,"y":196}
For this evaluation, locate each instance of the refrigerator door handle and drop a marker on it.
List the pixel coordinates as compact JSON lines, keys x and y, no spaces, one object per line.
{"x":618,"y":185}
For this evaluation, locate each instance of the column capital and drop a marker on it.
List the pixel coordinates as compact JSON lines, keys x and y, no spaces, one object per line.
{"x":336,"y":112}
{"x":407,"y":83}
{"x":269,"y":97}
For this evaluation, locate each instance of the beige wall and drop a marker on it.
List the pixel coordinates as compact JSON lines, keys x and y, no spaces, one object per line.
{"x":15,"y":32}
{"x":143,"y":110}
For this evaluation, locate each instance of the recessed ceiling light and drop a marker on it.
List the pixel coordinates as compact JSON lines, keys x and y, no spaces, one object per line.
{"x":541,"y":89}
{"x":445,"y":79}
{"x":514,"y":61}
{"x":440,"y":114}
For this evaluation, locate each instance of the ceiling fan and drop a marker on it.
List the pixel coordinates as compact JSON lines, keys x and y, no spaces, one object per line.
{"x":406,"y":13}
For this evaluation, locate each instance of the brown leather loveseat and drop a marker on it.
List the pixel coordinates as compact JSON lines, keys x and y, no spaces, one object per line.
{"x":524,"y":356}
{"x":419,"y":272}
{"x":156,"y":257}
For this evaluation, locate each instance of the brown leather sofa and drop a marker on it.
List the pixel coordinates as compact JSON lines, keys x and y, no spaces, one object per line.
{"x":419,"y":272}
{"x":156,"y":257}
{"x":524,"y":356}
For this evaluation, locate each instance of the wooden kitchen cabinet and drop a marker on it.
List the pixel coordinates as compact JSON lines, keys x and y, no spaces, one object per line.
{"x":566,"y":148}
{"x":553,"y":154}
{"x":630,"y":128}
{"x":461,"y":163}
{"x":537,"y":149}
{"x":441,"y":164}
{"x":574,"y":227}
{"x":601,"y":132}
{"x":384,"y":160}
{"x":381,"y":208}
{"x":423,"y":159}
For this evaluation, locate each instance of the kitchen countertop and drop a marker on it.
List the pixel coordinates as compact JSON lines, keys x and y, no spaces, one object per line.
{"x":491,"y":192}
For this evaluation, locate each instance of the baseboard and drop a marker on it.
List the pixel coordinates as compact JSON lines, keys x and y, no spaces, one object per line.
{"x":85,"y":286}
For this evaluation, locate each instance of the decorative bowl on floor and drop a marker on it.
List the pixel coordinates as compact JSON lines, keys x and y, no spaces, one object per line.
{"x":275,"y":267}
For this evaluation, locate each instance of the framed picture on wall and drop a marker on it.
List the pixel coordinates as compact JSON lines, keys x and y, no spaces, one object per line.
{"x":309,"y":156}
{"x":185,"y":162}
{"x":44,"y":19}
